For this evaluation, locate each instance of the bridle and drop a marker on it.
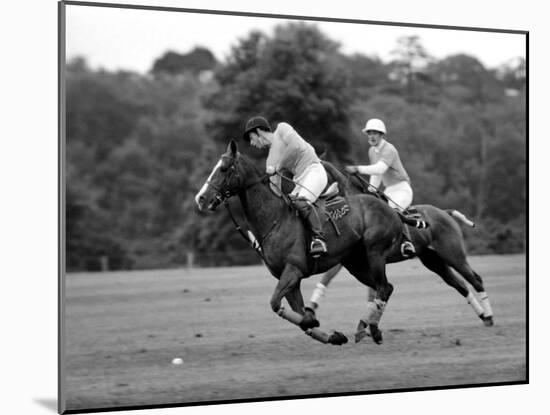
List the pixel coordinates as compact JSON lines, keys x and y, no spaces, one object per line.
{"x":226,"y":190}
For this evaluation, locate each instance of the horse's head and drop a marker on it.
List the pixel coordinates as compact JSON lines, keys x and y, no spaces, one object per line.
{"x":225,"y":180}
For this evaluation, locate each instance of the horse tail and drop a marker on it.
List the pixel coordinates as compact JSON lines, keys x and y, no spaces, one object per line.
{"x":460,"y":217}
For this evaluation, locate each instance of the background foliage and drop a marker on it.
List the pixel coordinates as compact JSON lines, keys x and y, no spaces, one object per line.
{"x":140,"y":146}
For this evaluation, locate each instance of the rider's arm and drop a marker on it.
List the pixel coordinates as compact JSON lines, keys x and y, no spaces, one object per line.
{"x":275,"y":156}
{"x":378,"y":168}
{"x":276,"y":183}
{"x":375,"y":180}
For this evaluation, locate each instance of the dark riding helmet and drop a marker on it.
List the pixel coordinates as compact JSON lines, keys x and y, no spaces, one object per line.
{"x":252,"y":124}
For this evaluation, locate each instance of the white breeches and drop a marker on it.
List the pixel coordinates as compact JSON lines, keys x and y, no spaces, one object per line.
{"x":400,"y":195}
{"x":311,"y":183}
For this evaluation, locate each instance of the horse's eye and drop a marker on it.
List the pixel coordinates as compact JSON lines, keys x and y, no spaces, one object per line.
{"x":230,"y":167}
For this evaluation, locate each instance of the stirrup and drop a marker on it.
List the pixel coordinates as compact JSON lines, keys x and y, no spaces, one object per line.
{"x":413,"y":214}
{"x":407,"y":249}
{"x":421,"y":224}
{"x":318,"y":247}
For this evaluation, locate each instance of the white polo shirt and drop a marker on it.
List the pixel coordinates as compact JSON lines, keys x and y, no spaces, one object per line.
{"x":387,"y":153}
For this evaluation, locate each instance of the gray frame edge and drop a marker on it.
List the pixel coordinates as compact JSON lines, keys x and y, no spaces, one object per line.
{"x":61,"y":393}
{"x":288,"y":17}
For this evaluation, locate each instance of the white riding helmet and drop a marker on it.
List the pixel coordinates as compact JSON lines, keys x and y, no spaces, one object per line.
{"x":376,"y":125}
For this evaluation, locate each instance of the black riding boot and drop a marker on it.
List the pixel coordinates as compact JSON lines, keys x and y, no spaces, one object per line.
{"x":311,"y":217}
{"x":407,"y":247}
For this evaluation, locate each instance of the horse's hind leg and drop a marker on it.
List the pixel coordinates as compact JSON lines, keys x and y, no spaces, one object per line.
{"x":451,"y":249}
{"x":460,"y":264}
{"x":376,"y":299}
{"x":321,"y":287}
{"x":435,"y":263}
{"x":310,"y":320}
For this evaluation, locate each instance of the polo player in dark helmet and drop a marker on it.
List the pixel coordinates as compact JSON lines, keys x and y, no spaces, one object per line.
{"x":288,"y":150}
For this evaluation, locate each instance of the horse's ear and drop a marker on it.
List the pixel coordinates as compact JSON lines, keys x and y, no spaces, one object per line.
{"x":232,"y":148}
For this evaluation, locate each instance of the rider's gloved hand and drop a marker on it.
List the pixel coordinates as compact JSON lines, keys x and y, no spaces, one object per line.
{"x":270,"y":170}
{"x":351,"y":169}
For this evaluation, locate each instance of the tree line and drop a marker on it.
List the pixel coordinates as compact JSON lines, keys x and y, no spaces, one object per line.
{"x":139,"y":146}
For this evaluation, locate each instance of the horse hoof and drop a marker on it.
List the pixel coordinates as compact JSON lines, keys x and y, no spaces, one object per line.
{"x":309,"y":321}
{"x":375,"y":333}
{"x":488,"y":321}
{"x":360,"y":335}
{"x":337,"y":338}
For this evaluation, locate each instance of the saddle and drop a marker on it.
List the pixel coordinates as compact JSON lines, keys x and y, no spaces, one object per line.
{"x":335,"y":207}
{"x":330,"y":191}
{"x":332,"y":205}
{"x":412,"y":213}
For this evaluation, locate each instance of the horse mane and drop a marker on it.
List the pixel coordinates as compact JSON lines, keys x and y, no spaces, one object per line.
{"x":346,"y":182}
{"x":249,"y":163}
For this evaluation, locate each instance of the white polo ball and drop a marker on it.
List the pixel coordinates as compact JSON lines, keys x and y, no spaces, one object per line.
{"x":177,"y":361}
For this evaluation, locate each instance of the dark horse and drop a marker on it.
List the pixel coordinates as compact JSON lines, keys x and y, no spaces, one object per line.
{"x":440,"y":247}
{"x":362,"y":242}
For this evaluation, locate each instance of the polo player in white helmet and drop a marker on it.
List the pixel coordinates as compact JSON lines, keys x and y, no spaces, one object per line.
{"x":386,"y":168}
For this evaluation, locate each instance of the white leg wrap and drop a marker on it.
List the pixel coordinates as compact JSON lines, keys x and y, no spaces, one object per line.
{"x":318,"y":294}
{"x":484,"y":298}
{"x":374,"y":312}
{"x":371,"y":294}
{"x":474,"y":303}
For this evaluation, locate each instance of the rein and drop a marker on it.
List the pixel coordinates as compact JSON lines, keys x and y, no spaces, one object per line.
{"x":379,"y":193}
{"x":256,"y":246}
{"x":367,"y":186}
{"x":239,"y":229}
{"x":295,"y":183}
{"x":417,"y":223}
{"x":224,"y":196}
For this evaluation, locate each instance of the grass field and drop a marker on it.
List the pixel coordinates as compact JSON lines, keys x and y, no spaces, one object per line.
{"x":124,"y":328}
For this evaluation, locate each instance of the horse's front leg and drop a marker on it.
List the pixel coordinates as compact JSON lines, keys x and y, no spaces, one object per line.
{"x":288,"y":282}
{"x":295,"y":299}
{"x":296,"y":302}
{"x":289,"y":287}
